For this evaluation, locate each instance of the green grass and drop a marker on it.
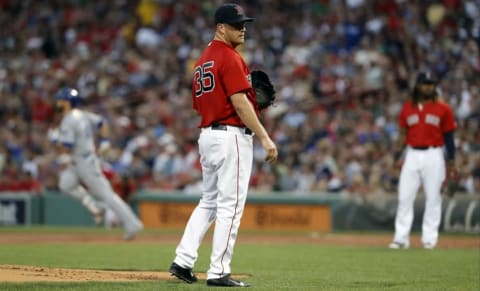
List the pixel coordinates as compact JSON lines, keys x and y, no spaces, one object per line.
{"x":270,"y":266}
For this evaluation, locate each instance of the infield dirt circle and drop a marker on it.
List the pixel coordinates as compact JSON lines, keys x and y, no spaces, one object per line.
{"x":17,"y":273}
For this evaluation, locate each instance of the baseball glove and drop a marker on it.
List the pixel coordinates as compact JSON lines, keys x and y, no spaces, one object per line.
{"x":451,"y":183}
{"x":265,"y":92}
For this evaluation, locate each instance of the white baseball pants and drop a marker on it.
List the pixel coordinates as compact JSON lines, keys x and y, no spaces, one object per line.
{"x":426,"y":168}
{"x":226,"y":157}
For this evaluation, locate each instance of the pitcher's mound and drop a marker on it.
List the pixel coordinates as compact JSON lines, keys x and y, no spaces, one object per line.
{"x":16,"y":273}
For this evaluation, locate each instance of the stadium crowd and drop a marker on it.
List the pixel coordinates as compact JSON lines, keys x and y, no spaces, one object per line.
{"x":341,"y":68}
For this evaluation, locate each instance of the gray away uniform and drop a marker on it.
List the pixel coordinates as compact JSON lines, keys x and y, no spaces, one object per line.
{"x":77,"y":131}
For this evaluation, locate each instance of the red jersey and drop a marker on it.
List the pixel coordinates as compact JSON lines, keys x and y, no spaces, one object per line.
{"x":426,"y":124}
{"x":219,"y":73}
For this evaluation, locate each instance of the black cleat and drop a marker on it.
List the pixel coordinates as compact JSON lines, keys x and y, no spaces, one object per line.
{"x":226,"y":281}
{"x":184,"y":274}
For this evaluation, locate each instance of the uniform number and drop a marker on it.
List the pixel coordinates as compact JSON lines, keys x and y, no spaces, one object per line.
{"x":203,"y":78}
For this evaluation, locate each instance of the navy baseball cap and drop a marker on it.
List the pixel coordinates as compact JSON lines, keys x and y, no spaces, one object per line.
{"x":426,"y":78}
{"x":231,"y":13}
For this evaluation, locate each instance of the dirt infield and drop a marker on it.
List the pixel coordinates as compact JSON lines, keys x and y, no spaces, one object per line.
{"x":15,"y":273}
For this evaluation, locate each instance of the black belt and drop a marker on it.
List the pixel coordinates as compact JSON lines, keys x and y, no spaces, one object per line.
{"x":423,"y":148}
{"x":247,"y":131}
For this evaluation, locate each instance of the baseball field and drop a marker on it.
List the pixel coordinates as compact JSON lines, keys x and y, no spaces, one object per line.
{"x":41,"y":258}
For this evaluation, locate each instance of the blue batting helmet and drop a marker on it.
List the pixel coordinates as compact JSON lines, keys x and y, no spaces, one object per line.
{"x":69,"y":94}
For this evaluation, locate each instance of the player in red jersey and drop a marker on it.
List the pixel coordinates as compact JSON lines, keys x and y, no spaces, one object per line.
{"x":428,"y":124}
{"x":223,"y":96}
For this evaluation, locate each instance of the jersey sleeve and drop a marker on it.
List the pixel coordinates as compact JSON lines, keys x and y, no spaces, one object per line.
{"x":66,"y":134}
{"x":95,"y":120}
{"x":448,"y":120}
{"x":235,"y":76}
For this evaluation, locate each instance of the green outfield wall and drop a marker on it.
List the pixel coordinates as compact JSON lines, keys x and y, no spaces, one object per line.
{"x":271,"y":211}
{"x":49,"y":208}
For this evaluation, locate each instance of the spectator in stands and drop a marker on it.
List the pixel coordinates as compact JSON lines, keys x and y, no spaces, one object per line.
{"x":348,"y":63}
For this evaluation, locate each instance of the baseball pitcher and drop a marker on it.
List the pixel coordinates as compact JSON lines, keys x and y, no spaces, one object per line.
{"x":223,"y":96}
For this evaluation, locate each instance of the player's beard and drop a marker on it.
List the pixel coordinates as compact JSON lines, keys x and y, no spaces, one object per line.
{"x":427,"y":94}
{"x":60,"y":109}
